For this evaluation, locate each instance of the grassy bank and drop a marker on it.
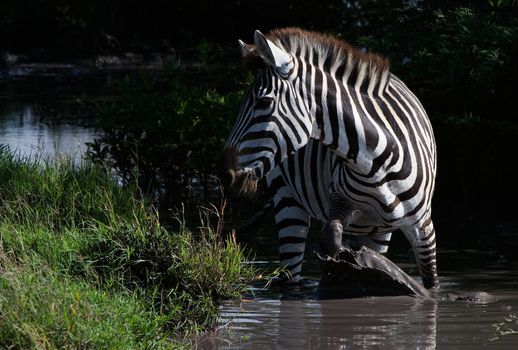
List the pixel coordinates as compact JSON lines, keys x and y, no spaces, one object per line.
{"x":85,"y":263}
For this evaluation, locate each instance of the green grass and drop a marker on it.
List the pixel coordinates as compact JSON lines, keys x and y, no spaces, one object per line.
{"x":42,"y":308}
{"x":85,"y":263}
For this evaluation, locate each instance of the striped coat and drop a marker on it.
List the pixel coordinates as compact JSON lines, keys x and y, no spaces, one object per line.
{"x":314,"y":88}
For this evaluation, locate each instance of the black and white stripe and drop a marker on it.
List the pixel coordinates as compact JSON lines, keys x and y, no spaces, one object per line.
{"x":299,"y":188}
{"x":378,"y":143}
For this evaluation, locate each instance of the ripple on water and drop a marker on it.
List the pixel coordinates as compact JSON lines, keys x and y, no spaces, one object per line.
{"x":273,"y":321}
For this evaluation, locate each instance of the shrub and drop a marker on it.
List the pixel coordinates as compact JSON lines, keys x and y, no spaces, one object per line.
{"x":458,"y":61}
{"x":167,"y":132}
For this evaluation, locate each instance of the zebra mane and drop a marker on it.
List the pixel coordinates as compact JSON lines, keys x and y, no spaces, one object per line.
{"x":369,"y":70}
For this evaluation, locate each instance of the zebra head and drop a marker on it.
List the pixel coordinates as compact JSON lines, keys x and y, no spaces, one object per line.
{"x":273,"y":120}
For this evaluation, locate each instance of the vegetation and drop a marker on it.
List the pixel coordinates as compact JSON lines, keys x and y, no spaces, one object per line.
{"x":85,"y":263}
{"x":167,"y":130}
{"x":458,"y":61}
{"x":64,"y":29}
{"x":506,"y":327}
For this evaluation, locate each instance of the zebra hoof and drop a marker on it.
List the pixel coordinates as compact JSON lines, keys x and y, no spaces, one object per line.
{"x":285,"y":279}
{"x":432,"y":283}
{"x":332,"y":238}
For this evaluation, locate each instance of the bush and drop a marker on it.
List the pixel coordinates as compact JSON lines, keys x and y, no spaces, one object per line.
{"x":168,"y":131}
{"x":458,"y":61}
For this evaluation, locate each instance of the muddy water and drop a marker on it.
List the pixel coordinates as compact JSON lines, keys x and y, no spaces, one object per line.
{"x":310,"y":318}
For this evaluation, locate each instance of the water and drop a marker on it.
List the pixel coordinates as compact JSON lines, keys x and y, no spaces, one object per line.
{"x":47,"y":115}
{"x":22,"y":129}
{"x":50,"y":114}
{"x":48,"y":110}
{"x":299,"y":318}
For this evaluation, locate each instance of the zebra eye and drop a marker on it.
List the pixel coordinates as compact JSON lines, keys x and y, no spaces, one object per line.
{"x":263,"y":102}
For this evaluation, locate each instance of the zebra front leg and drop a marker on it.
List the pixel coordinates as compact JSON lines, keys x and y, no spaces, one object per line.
{"x":422,"y":239}
{"x":292,"y":223}
{"x":340,"y":214}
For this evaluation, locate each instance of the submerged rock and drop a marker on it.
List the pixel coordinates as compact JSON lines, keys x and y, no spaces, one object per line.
{"x":361,"y":271}
{"x":470,"y":297}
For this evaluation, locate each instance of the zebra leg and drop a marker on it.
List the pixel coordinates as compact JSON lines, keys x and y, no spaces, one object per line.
{"x":422,"y":239}
{"x":332,"y":237}
{"x":340,"y":213}
{"x":292,"y":223}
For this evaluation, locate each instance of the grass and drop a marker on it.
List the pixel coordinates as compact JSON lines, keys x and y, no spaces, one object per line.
{"x":85,"y":263}
{"x":507,"y":327}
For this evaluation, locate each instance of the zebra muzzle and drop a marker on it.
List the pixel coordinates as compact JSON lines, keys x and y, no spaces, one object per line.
{"x":245,"y":182}
{"x":228,"y":178}
{"x":227,"y":173}
{"x":235,"y":180}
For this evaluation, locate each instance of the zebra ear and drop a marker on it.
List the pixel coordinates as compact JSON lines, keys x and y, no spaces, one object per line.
{"x":251,"y":56}
{"x":272,"y":54}
{"x":248,"y":51}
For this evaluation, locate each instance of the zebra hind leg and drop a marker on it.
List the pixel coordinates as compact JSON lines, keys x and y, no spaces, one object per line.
{"x":422,"y":240}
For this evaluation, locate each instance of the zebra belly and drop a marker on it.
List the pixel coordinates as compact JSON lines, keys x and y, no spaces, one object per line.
{"x":382,"y":211}
{"x":309,"y":174}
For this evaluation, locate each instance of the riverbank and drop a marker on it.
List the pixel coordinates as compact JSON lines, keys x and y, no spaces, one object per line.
{"x":85,"y":263}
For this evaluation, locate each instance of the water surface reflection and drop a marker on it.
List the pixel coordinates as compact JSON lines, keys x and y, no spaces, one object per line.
{"x":26,"y":133}
{"x":390,"y":322}
{"x":301,"y":319}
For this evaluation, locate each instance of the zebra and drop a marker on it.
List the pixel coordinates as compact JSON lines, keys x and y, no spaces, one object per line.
{"x":314,"y":88}
{"x":298,"y":188}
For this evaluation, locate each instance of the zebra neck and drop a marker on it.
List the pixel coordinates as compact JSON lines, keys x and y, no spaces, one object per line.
{"x":363,"y":76}
{"x":344,"y":117}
